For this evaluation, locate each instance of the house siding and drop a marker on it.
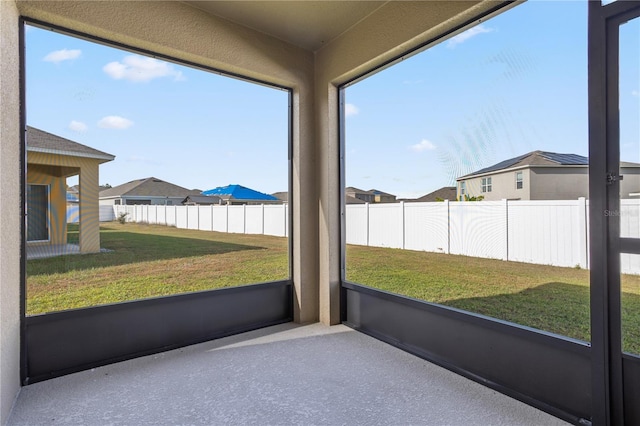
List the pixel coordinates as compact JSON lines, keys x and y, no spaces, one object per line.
{"x":503,"y":186}
{"x":559,"y":183}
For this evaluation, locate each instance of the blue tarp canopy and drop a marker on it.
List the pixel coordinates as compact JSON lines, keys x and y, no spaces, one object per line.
{"x":239,"y":192}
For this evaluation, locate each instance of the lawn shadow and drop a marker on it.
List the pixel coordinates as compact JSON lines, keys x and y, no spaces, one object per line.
{"x":132,"y":247}
{"x":557,"y":307}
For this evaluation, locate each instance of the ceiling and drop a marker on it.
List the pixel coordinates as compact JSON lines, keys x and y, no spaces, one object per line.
{"x":307,"y":24}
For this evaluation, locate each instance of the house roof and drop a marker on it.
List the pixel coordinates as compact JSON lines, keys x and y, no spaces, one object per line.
{"x":202,"y":199}
{"x":282,"y":196}
{"x":534,"y":158}
{"x":239,"y":192}
{"x":48,"y":143}
{"x":353,"y":189}
{"x":353,"y":200}
{"x":444,"y":193}
{"x":148,"y":187}
{"x":378,"y":192}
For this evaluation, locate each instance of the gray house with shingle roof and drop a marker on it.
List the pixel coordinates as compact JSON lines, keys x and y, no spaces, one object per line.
{"x":444,"y":193}
{"x":148,"y":191}
{"x":540,"y":175}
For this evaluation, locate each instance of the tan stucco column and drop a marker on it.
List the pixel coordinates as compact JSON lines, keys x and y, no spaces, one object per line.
{"x":10,"y":238}
{"x":89,"y":221}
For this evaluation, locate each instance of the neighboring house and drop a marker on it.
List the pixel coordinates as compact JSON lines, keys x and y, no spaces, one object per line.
{"x":444,"y":193}
{"x":238,"y":194}
{"x":202,"y":200}
{"x":382,"y":197}
{"x":51,"y":159}
{"x":282,"y":196}
{"x":148,"y":191}
{"x":540,"y":175}
{"x":370,"y":196}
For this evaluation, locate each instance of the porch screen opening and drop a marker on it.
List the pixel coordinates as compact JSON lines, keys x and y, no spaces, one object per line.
{"x":37,"y":213}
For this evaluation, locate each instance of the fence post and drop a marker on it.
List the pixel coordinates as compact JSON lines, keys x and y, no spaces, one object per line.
{"x":262,"y":218}
{"x":448,"y":250}
{"x":367,"y":220}
{"x":505,"y":202}
{"x":581,"y":222}
{"x":402,"y":219}
{"x":227,"y":225}
{"x":244,"y":218}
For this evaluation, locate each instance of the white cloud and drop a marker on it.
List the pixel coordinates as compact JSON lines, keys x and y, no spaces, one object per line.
{"x":141,"y":69}
{"x":62,"y":55}
{"x":466,"y":35}
{"x":350,"y":109}
{"x":115,"y":122}
{"x":424,"y":145}
{"x":78,"y":126}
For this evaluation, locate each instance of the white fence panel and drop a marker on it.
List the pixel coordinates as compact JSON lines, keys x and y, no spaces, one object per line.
{"x":426,"y":226}
{"x":152,"y":214}
{"x":236,"y":219}
{"x":275,"y":220}
{"x":220,"y":214}
{"x":478,"y":229}
{"x":205,"y":218}
{"x":171,"y":216}
{"x":253,"y":219}
{"x":181,"y":217}
{"x":630,"y":228}
{"x":357,"y":224}
{"x":192,"y":217}
{"x":107,"y":214}
{"x":548,"y":232}
{"x":161,"y":214}
{"x":629,"y":218}
{"x":385,"y":225}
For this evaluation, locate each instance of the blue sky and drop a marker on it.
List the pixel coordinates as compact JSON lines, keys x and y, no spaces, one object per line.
{"x":186,"y":126}
{"x":513,"y":84}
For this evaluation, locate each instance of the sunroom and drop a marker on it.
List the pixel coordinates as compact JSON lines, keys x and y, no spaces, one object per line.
{"x":319,"y":54}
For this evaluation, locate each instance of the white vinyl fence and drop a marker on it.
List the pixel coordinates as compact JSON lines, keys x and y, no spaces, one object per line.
{"x":553,"y":232}
{"x":244,"y":219}
{"x":107,"y":213}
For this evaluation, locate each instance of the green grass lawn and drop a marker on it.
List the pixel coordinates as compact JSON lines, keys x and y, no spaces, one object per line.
{"x":150,"y":260}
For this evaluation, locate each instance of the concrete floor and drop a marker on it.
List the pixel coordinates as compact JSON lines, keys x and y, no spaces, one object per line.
{"x":42,"y":252}
{"x":280,"y":375}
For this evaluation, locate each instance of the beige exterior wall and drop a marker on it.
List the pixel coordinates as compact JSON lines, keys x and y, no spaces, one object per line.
{"x":631,"y":183}
{"x":503,"y":186}
{"x":552,"y":183}
{"x":87,"y":168}
{"x":10,"y":238}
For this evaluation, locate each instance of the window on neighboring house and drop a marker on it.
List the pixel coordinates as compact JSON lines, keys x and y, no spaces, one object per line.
{"x":486,"y":184}
{"x":116,"y":202}
{"x":463,"y":188}
{"x":519,"y":180}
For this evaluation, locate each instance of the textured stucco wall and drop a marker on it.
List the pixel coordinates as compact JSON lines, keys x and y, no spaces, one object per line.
{"x":9,"y":209}
{"x":186,"y":33}
{"x":390,"y":31}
